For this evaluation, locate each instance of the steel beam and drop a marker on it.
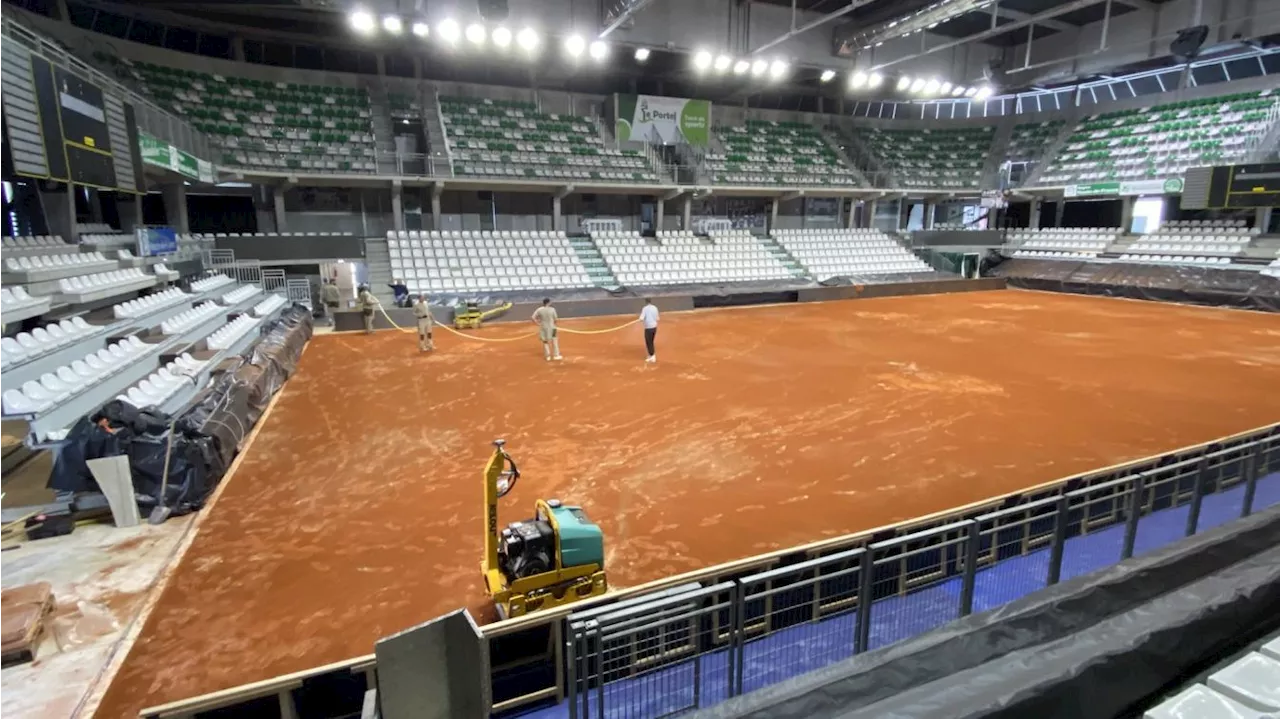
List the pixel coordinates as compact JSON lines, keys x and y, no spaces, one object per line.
{"x":853,"y":5}
{"x":1037,"y":19}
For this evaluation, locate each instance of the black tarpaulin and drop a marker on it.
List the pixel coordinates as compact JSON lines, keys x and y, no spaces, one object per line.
{"x":1187,"y":284}
{"x":208,"y":433}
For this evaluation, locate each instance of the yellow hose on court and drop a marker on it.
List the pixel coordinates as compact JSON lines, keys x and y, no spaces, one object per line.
{"x":447,"y":328}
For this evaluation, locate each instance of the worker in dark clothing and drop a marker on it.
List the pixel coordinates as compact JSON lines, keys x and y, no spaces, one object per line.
{"x":401,"y":292}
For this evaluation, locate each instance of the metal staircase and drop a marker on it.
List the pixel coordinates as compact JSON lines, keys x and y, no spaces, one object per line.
{"x":597,"y":269}
{"x":779,"y":253}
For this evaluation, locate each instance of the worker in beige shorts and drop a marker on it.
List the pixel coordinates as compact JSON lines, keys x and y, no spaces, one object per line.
{"x":422,"y":311}
{"x":368,"y":305}
{"x":545,"y":318}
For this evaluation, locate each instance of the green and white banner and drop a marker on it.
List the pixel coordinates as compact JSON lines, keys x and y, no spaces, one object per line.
{"x":162,"y":154}
{"x":662,"y":120}
{"x":1171,"y":186}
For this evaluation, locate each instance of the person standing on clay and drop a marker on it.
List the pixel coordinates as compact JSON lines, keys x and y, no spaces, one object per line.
{"x":331,"y":298}
{"x":368,"y":303}
{"x":649,"y":316}
{"x":422,"y":311}
{"x":545,"y":318}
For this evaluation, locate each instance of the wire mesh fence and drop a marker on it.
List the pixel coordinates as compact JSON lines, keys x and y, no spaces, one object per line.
{"x":695,"y":646}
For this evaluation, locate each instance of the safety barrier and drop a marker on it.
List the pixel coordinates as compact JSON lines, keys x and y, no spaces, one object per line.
{"x":698,"y":638}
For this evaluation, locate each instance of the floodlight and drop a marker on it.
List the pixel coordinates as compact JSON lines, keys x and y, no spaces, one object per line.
{"x":362,"y":21}
{"x":475,"y":33}
{"x":945,"y":89}
{"x":827,"y":75}
{"x":702,"y":60}
{"x":393,"y":24}
{"x":917,"y":85}
{"x":421,"y":29}
{"x":857,"y":80}
{"x":527,"y":39}
{"x":501,"y":36}
{"x":599,"y":50}
{"x":741,"y":66}
{"x":449,"y":31}
{"x":723,"y":62}
{"x":642,"y":54}
{"x":957,"y":91}
{"x":970,"y":92}
{"x":983,"y":93}
{"x":931,"y":86}
{"x":904,"y":82}
{"x":574,"y":45}
{"x":759,"y":67}
{"x":777,"y":69}
{"x":875,"y":80}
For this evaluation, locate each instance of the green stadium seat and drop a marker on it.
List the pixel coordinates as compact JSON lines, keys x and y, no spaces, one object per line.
{"x":1162,"y":141}
{"x":764,"y":152}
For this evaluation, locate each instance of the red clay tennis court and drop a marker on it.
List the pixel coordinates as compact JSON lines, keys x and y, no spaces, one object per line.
{"x":356,"y":511}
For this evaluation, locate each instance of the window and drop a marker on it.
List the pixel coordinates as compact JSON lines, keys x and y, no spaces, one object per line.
{"x":215,"y":46}
{"x":182,"y":39}
{"x":308,"y":57}
{"x":111,"y":24}
{"x":81,"y":15}
{"x":145,"y":32}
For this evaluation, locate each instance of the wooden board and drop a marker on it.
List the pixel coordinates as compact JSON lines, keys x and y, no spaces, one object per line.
{"x":26,"y":610}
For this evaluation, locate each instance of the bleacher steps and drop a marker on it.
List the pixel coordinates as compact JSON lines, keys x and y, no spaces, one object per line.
{"x":597,"y":269}
{"x":780,"y":254}
{"x":990,"y":179}
{"x":836,"y":146}
{"x":1051,"y":152}
{"x":378,"y":260}
{"x":383,"y":137}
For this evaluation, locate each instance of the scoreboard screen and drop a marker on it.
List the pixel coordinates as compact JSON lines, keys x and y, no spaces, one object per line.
{"x":1245,"y":186}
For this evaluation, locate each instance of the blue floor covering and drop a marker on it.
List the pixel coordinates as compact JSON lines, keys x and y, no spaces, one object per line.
{"x":806,"y":647}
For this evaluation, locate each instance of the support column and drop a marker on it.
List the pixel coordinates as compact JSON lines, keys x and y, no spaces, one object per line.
{"x":869,"y":212}
{"x":557,"y":224}
{"x":1058,"y":212}
{"x":435,"y":210}
{"x":175,"y":206}
{"x":1126,"y":213}
{"x":852,"y":220}
{"x":927,"y":216}
{"x":72,"y":232}
{"x":237,"y":48}
{"x":63,"y":13}
{"x":397,"y":206}
{"x":95,"y":206}
{"x":687,"y":217}
{"x":1033,"y":221}
{"x":659,"y":214}
{"x":129,"y":209}
{"x":1262,"y":218}
{"x":277,"y":206}
{"x":773,"y":214}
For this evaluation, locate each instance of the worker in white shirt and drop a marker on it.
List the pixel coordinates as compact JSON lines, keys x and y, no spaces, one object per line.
{"x":649,"y":316}
{"x":422,"y":311}
{"x":545,"y":318}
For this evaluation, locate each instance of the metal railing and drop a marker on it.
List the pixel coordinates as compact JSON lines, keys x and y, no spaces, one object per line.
{"x":696,"y":639}
{"x":698,"y":647}
{"x":151,"y":118}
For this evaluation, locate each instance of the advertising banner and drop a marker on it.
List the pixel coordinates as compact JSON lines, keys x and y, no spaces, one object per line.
{"x":662,"y":120}
{"x":162,"y":154}
{"x":156,"y":241}
{"x":1171,"y":186}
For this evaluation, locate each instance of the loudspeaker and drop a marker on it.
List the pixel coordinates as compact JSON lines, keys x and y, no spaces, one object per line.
{"x":1186,"y":46}
{"x":492,"y":10}
{"x":994,"y":72}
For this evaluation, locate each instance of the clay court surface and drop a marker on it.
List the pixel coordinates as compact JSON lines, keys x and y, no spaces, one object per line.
{"x":357,"y":510}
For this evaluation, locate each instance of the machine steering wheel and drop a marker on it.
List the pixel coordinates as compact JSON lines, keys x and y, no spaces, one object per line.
{"x":508,"y":477}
